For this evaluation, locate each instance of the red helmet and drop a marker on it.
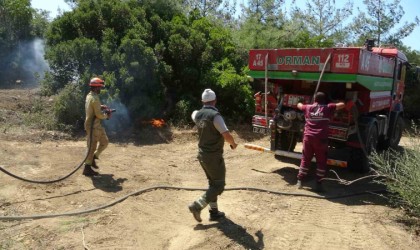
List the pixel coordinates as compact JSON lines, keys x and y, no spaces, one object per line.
{"x":96,"y":82}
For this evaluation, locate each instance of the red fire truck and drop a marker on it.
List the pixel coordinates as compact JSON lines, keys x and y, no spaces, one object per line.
{"x":373,"y":78}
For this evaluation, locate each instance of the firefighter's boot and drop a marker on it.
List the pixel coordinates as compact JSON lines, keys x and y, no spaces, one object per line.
{"x":94,"y":162}
{"x":299,"y":184}
{"x":215,"y":214}
{"x":196,"y":207}
{"x":88,"y":171}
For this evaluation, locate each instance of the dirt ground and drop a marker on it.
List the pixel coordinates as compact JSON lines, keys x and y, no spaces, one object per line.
{"x":159,"y":218}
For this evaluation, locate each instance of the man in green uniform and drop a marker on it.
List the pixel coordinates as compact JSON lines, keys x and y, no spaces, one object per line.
{"x":94,"y":130}
{"x":212,"y":133}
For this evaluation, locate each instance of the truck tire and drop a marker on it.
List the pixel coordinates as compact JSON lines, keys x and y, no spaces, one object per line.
{"x":396,"y":133}
{"x":288,"y":140}
{"x":358,"y":160}
{"x":371,"y":135}
{"x":394,"y":137}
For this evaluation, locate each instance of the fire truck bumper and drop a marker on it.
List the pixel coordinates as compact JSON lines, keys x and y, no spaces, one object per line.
{"x":293,"y":155}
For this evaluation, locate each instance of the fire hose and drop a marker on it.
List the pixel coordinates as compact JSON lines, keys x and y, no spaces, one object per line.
{"x":320,"y":76}
{"x":144,"y":190}
{"x":66,"y":176}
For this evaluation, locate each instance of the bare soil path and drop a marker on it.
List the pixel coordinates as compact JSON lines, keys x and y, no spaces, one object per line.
{"x":159,"y":219}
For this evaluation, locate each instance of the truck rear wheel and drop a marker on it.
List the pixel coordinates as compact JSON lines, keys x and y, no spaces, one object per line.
{"x":288,"y":140}
{"x":358,"y":162}
{"x":371,"y":135}
{"x":359,"y":158}
{"x":394,"y":137}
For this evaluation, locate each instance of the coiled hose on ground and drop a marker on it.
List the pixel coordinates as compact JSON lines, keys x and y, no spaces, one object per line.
{"x":41,"y":216}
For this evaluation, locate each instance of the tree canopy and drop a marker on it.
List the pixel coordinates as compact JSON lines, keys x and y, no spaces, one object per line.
{"x":379,"y":20}
{"x":157,"y":56}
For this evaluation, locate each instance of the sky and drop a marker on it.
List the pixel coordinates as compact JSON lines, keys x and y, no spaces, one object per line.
{"x":411,"y":8}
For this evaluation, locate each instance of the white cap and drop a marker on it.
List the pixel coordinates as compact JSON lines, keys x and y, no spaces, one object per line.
{"x":208,"y":95}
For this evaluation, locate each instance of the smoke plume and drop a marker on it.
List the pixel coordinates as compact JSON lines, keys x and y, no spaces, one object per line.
{"x":120,"y":120}
{"x":35,"y":62}
{"x":25,"y":64}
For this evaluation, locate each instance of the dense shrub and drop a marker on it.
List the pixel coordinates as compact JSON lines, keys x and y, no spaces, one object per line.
{"x":69,"y":106}
{"x":411,"y":101}
{"x":156,"y":62}
{"x":401,"y":167}
{"x":182,"y":113}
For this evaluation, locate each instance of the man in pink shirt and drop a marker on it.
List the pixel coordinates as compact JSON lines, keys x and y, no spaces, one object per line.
{"x":315,"y":137}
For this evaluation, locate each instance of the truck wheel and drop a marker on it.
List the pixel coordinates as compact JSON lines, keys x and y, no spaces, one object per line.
{"x":359,"y":161}
{"x":288,"y":140}
{"x":395,"y":138}
{"x":371,"y":141}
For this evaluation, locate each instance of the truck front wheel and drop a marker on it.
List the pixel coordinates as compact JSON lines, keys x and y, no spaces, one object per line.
{"x":396,"y":133}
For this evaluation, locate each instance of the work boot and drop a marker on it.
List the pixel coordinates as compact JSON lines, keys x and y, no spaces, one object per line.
{"x":319,"y":188}
{"x":299,"y":184}
{"x":196,"y":211}
{"x":216,"y":215}
{"x":88,"y":171}
{"x":94,"y":163}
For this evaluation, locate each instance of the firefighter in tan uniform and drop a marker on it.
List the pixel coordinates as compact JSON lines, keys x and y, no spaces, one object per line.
{"x":94,"y":114}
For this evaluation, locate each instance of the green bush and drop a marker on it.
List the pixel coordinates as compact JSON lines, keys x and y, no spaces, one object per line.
{"x":401,"y":167}
{"x":234,"y":93}
{"x":411,"y":101}
{"x":69,"y":106}
{"x":49,"y":86}
{"x":182,"y":113}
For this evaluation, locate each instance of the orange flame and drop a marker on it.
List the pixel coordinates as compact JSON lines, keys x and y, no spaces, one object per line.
{"x":157,"y":123}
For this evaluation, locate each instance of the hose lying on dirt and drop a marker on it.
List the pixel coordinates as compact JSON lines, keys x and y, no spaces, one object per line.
{"x":41,"y":216}
{"x":59,"y":179}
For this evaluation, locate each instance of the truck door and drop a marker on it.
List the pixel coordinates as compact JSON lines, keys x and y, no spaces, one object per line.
{"x":398,"y":87}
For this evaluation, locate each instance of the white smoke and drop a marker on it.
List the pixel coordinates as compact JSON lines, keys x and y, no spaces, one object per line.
{"x":32,"y":58}
{"x":25,"y":64}
{"x":120,"y":120}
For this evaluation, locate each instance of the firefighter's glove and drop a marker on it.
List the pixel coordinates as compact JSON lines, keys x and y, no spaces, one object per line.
{"x":349,"y":105}
{"x":108,"y":112}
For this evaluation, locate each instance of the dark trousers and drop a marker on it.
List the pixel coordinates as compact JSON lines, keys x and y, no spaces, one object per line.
{"x":215,"y":170}
{"x":318,"y":147}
